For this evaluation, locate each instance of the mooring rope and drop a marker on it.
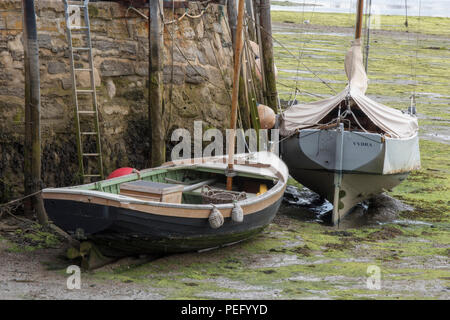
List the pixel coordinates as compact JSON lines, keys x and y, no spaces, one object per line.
{"x":19,"y":199}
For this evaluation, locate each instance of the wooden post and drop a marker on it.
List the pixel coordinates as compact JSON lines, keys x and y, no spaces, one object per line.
{"x":251,"y":24}
{"x":32,"y":148}
{"x":155,"y":94}
{"x":232,"y":18}
{"x":261,"y":88}
{"x":267,"y":55}
{"x":235,"y":91}
{"x":359,"y":15}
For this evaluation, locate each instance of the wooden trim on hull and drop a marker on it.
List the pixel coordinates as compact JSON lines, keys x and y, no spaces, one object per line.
{"x":160,"y":209}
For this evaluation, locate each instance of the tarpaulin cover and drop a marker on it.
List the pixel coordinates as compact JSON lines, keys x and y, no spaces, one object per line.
{"x":391,"y":121}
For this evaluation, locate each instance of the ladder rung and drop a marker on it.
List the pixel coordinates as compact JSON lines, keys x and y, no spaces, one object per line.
{"x":78,"y":28}
{"x":80,"y":48}
{"x":86,"y":112}
{"x":81,"y":69}
{"x":91,"y":154}
{"x":91,"y":175}
{"x":88,"y":133}
{"x":85,"y":91}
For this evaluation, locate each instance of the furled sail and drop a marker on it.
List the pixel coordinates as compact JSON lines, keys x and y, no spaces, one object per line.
{"x":393,"y":122}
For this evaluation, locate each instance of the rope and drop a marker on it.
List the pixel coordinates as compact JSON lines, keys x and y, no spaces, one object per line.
{"x":186,"y":14}
{"x":19,"y":199}
{"x":137,"y":11}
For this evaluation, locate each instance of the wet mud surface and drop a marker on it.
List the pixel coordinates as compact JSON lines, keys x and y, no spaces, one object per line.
{"x":299,"y":256}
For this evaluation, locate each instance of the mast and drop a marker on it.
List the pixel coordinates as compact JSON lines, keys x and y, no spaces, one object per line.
{"x":359,"y":15}
{"x":234,"y":95}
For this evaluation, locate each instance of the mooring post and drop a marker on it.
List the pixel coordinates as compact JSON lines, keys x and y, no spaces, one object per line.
{"x":155,"y":94}
{"x":251,"y":24}
{"x":32,"y":148}
{"x":232,"y":19}
{"x":267,"y":54}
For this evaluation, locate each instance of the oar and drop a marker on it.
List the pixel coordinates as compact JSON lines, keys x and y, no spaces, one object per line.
{"x":198,"y":185}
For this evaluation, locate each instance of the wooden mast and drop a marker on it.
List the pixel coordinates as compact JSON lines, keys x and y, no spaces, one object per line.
{"x":235,"y":92}
{"x":359,"y":15}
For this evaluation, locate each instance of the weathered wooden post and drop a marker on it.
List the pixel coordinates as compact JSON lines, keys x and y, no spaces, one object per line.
{"x":232,"y":19}
{"x":32,"y":149}
{"x":155,"y":94}
{"x":251,"y":24}
{"x":267,"y":54}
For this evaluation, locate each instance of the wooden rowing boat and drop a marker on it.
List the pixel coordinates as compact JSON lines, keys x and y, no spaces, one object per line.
{"x":121,"y":222}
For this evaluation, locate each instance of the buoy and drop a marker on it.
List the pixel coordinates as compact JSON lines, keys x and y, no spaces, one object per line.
{"x":267,"y":117}
{"x":215,"y":218}
{"x":237,"y":214}
{"x":121,"y":172}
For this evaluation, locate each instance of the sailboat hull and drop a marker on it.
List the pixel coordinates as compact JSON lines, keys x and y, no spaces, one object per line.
{"x":348,"y":167}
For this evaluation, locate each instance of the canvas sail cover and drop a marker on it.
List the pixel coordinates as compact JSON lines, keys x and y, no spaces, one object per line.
{"x":392,"y":121}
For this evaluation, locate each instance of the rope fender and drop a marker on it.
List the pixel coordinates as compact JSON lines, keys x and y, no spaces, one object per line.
{"x":215,"y":218}
{"x":237,"y":214}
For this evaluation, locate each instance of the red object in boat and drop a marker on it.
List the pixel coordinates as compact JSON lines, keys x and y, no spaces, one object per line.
{"x":120,"y":172}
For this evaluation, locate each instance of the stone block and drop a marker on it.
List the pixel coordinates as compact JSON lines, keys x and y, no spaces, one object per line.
{"x":178,"y":74}
{"x":56,"y":67}
{"x":141,"y":68}
{"x":45,"y":41}
{"x":14,"y":21}
{"x":110,"y":68}
{"x":196,"y":74}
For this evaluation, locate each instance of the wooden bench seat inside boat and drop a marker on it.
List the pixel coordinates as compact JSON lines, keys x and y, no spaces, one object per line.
{"x":152,"y":191}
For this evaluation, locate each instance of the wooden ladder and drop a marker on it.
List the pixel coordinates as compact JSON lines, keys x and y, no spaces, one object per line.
{"x":86,"y":113}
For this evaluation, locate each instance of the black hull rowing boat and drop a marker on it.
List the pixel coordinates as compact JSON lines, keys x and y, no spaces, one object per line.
{"x":120,"y":224}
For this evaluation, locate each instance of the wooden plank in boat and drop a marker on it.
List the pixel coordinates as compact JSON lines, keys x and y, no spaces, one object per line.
{"x":153,"y":191}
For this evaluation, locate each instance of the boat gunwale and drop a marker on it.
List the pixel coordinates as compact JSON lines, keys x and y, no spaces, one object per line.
{"x":125,"y":201}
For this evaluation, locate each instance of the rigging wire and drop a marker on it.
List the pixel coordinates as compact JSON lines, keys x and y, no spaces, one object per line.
{"x":412,"y":106}
{"x":295,"y":57}
{"x":300,"y":54}
{"x":367,"y":39}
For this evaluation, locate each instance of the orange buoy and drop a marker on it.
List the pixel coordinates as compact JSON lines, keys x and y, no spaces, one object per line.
{"x":266,"y":117}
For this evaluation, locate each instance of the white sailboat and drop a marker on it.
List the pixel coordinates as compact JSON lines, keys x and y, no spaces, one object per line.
{"x":348,"y":148}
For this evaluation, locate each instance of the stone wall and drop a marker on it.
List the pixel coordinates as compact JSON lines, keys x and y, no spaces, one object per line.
{"x":196,"y":85}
